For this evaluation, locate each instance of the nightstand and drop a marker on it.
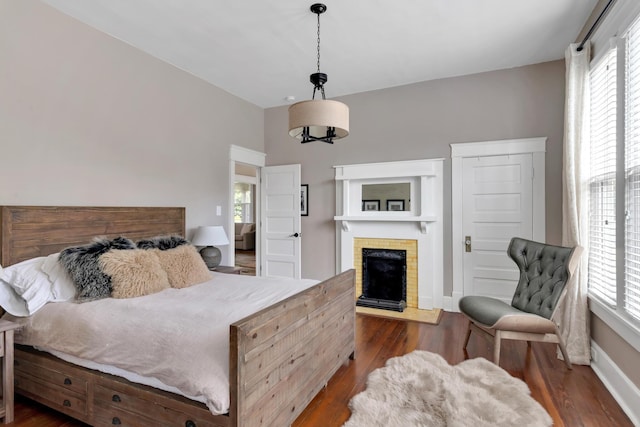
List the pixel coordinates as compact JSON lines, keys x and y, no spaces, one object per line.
{"x":6,"y":353}
{"x":228,"y":269}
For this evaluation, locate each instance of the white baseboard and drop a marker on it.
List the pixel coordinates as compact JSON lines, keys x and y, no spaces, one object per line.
{"x":451,"y":303}
{"x":425,"y":303}
{"x":447,"y":304}
{"x":625,"y":392}
{"x":455,"y":299}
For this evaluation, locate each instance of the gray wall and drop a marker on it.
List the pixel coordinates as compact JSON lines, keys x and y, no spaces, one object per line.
{"x":88,"y":120}
{"x":419,"y":121}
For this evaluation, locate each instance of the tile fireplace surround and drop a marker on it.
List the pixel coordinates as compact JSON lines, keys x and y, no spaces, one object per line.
{"x":411,"y":248}
{"x":420,"y":226}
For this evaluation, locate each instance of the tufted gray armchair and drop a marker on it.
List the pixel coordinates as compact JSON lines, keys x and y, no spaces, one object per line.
{"x":545,"y":271}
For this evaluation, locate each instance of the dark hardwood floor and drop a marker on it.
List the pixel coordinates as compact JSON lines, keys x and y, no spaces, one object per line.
{"x":572,"y":397}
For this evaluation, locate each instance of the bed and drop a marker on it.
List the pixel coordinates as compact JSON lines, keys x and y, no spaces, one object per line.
{"x":279,"y":357}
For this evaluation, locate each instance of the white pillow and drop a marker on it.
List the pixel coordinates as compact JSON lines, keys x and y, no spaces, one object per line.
{"x":62,"y":287}
{"x":29,"y":283}
{"x":27,"y":286}
{"x":11,"y":301}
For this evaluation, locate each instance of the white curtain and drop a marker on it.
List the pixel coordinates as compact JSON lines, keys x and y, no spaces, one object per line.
{"x":574,"y":313}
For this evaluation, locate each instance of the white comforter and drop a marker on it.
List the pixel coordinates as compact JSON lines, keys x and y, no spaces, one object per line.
{"x":178,"y":336}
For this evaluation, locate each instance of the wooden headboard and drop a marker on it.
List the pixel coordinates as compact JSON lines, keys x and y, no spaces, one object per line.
{"x":32,"y":231}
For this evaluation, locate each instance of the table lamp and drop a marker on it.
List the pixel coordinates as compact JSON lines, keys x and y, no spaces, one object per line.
{"x":210,"y":236}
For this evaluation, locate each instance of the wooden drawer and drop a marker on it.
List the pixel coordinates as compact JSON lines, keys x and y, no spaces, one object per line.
{"x":59,"y":398}
{"x":127,"y":402}
{"x":119,"y":417}
{"x":51,"y":375}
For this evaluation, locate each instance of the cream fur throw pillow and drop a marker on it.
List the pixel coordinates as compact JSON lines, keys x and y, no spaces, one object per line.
{"x":134,"y":272}
{"x":184,"y":266}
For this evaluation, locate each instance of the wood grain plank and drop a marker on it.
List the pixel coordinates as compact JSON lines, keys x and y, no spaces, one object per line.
{"x":32,"y":231}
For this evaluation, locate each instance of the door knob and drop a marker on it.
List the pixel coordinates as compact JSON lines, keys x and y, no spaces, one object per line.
{"x":467,"y":243}
{"x":295,"y":235}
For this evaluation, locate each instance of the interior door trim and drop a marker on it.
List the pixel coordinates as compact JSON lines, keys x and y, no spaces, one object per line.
{"x":254,"y":158}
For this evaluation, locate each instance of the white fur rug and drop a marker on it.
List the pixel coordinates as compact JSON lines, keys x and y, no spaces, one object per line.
{"x":422,"y":389}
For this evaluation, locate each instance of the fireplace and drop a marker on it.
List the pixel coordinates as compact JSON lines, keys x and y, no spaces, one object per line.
{"x":418,"y":229}
{"x":384,"y":279}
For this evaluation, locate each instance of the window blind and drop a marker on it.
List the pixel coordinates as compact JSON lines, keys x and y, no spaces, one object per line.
{"x":632,"y":172}
{"x":602,"y":182}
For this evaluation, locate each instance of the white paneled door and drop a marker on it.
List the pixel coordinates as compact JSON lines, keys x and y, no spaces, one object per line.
{"x":497,"y":192}
{"x":497,"y":205}
{"x":280,"y":218}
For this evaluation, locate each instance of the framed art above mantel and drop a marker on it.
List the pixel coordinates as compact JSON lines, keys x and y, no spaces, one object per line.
{"x":370,"y":205}
{"x":395,"y":205}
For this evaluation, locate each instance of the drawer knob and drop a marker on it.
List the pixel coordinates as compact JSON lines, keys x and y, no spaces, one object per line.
{"x":67,"y":381}
{"x":115,"y":398}
{"x":189,"y":423}
{"x":116,"y":421}
{"x":66,"y":403}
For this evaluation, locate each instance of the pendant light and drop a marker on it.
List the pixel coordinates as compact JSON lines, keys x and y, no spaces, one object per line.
{"x":318,"y":119}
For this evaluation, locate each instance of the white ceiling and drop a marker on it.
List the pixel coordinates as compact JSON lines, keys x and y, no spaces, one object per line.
{"x":264,"y":50}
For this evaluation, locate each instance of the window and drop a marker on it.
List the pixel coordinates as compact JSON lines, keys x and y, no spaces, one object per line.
{"x":243,"y":202}
{"x":614,"y":181}
{"x":632,"y":173}
{"x":602,"y":180}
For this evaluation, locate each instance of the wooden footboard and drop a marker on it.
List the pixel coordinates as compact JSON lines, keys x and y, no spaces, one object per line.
{"x":281,"y":357}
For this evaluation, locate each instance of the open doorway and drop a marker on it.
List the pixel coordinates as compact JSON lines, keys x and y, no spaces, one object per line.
{"x":245,"y":167}
{"x":245,"y":211}
{"x":276,"y":213}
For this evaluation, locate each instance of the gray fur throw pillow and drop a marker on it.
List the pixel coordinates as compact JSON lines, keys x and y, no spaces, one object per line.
{"x":162,"y":242}
{"x":83,"y":265}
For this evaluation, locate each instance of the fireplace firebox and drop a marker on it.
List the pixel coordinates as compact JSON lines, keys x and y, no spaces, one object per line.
{"x":384,"y":279}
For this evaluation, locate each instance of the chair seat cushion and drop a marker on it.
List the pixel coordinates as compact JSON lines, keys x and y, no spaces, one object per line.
{"x":495,"y":314}
{"x":485,"y":310}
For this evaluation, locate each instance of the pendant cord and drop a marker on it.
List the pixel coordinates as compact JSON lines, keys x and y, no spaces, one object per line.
{"x":318,"y":42}
{"x":318,"y":83}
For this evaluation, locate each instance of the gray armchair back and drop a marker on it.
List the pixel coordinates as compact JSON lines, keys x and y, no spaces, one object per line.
{"x":544,"y":272}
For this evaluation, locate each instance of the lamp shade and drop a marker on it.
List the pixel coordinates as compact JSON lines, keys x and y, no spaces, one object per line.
{"x":210,"y":235}
{"x":317,"y":115}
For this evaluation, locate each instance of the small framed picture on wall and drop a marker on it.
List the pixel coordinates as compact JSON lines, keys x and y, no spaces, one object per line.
{"x":304,"y":200}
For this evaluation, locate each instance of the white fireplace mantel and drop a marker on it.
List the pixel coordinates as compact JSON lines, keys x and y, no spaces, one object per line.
{"x":421,"y":222}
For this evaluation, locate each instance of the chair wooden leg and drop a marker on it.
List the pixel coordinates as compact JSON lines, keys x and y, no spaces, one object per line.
{"x":563,"y":349}
{"x":496,"y":348}
{"x":466,"y":340}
